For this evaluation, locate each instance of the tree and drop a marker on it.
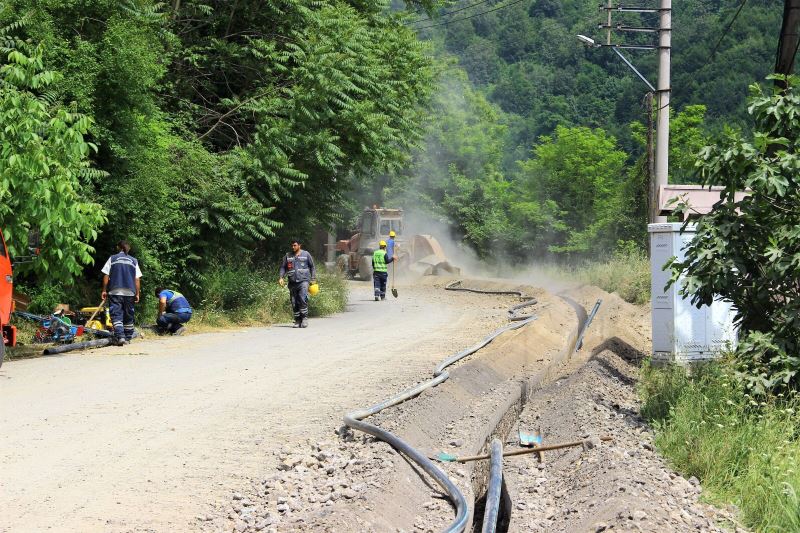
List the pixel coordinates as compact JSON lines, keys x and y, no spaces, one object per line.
{"x":44,"y":166}
{"x":748,"y":251}
{"x":579,"y":170}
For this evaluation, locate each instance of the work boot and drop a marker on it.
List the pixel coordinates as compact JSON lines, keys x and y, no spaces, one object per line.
{"x":180,"y":331}
{"x":304,"y":323}
{"x":121,"y":342}
{"x":376,"y":298}
{"x":296,"y":324}
{"x":383,"y":298}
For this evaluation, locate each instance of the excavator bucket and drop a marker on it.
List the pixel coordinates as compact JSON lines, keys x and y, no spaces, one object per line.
{"x":428,"y":258}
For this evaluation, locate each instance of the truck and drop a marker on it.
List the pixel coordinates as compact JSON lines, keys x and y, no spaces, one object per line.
{"x":418,"y":253}
{"x":7,"y":289}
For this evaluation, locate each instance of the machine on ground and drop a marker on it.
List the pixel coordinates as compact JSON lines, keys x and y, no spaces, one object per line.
{"x":418,"y":253}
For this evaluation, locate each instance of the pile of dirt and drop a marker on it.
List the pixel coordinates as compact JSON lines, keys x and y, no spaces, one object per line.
{"x":619,"y":485}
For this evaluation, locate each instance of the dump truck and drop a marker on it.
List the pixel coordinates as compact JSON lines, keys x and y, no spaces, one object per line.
{"x":418,"y":253}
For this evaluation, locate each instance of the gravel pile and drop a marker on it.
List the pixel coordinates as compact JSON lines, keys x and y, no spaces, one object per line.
{"x":622,"y":485}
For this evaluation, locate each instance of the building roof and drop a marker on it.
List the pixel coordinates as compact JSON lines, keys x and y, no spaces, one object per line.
{"x":701,"y":199}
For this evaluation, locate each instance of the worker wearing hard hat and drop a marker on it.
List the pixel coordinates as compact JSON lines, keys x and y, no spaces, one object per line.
{"x":380,"y":272}
{"x":390,"y":246}
{"x":298,"y":267}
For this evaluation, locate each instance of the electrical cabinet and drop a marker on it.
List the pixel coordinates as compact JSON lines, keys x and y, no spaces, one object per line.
{"x":681,"y":331}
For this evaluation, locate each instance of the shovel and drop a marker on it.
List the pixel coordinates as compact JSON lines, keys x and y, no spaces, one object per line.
{"x":394,"y":291}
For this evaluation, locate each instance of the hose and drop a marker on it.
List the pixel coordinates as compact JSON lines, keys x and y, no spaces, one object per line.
{"x":355,"y":419}
{"x":579,"y":342}
{"x":492,"y":510}
{"x":96,"y":343}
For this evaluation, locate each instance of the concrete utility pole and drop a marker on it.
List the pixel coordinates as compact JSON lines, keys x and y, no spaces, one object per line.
{"x":662,"y":133}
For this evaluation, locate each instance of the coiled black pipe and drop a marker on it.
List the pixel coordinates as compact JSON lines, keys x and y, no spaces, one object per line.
{"x":355,"y":419}
{"x":492,"y":510}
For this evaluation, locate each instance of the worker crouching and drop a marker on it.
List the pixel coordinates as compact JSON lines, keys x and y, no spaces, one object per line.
{"x":298,"y":268}
{"x":173,"y":312}
{"x":380,"y":271}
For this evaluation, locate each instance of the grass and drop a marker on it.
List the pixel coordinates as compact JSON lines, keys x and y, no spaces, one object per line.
{"x":234,"y":299}
{"x":626,"y":273}
{"x":744,"y":449}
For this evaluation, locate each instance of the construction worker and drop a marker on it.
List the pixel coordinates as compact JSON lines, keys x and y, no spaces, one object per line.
{"x":390,"y":246}
{"x":173,"y":311}
{"x":121,"y":284}
{"x":298,"y":267}
{"x":380,"y":272}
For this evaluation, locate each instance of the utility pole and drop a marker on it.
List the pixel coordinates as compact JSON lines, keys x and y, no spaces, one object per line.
{"x":662,"y":134}
{"x":652,"y":208}
{"x":788,"y":41}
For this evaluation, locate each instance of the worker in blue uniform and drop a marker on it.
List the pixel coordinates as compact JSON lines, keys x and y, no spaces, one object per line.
{"x":173,"y":311}
{"x":298,"y":267}
{"x":121,"y":284}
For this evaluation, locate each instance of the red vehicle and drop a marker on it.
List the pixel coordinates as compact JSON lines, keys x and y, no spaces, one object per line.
{"x":6,"y":299}
{"x":7,"y":289}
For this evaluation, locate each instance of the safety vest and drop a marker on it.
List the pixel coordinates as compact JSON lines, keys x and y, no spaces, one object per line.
{"x":379,"y":261}
{"x":176,"y":302}
{"x":123,"y":272}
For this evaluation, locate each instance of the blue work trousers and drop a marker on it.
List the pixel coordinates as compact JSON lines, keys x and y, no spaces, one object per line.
{"x":170,"y":322}
{"x":298,"y":295}
{"x":122,"y":315}
{"x":379,"y":282}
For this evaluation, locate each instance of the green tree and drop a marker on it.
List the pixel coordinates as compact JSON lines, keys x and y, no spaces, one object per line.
{"x":748,"y":250}
{"x":44,"y":166}
{"x":577,"y":173}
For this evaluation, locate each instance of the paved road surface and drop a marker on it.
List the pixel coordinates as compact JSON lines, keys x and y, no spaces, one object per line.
{"x":143,"y":437}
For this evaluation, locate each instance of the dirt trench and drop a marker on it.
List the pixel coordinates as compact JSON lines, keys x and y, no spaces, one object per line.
{"x":527,"y":379}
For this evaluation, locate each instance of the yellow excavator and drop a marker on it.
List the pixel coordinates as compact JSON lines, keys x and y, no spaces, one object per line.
{"x":421,"y":254}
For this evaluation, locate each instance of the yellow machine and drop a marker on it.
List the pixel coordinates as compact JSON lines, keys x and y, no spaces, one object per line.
{"x":101,"y":318}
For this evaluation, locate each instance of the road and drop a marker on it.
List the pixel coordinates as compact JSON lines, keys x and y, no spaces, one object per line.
{"x":143,"y":437}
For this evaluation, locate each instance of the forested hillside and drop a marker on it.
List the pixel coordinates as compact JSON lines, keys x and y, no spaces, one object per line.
{"x":535,"y":147}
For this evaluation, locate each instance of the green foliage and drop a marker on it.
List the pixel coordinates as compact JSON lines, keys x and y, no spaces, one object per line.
{"x":744,"y":449}
{"x":44,"y":168}
{"x":243,"y":295}
{"x":220,"y":128}
{"x":626,"y":273}
{"x":748,"y":251}
{"x":576,"y":174}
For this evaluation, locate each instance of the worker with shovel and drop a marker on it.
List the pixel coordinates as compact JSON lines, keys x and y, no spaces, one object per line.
{"x":298,"y":267}
{"x":173,"y":311}
{"x":380,"y":271}
{"x":121,"y":283}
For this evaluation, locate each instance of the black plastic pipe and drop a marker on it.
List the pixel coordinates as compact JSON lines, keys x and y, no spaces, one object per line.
{"x":495,"y":488}
{"x":355,"y":419}
{"x":63,"y":348}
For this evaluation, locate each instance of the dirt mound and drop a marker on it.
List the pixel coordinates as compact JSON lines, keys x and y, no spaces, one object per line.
{"x":622,"y":485}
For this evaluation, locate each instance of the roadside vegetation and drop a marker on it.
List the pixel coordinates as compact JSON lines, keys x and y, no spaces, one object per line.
{"x":626,"y":273}
{"x":744,"y":447}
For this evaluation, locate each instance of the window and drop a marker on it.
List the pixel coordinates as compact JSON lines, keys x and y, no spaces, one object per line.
{"x":391,"y":224}
{"x":366,"y":224}
{"x":386,"y":226}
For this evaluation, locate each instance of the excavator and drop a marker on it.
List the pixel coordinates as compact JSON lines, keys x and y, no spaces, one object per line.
{"x":421,"y":254}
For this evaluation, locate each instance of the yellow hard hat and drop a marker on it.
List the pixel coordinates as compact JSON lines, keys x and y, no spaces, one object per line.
{"x":382,"y":243}
{"x":392,"y":234}
{"x":313,"y":289}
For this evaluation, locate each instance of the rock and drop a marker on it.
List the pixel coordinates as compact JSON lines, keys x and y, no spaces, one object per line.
{"x":237,"y":496}
{"x":457,"y":443}
{"x":639,"y":515}
{"x":694,"y":481}
{"x":592,"y":442}
{"x":600,"y":526}
{"x":349,"y":494}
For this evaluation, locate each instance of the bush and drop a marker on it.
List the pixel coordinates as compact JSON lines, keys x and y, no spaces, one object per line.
{"x":745,"y":449}
{"x":627,"y":273}
{"x":238,"y":295}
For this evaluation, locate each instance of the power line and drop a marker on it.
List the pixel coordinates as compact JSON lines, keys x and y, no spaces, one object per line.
{"x":449,"y":12}
{"x":471,"y":16}
{"x":725,"y":31}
